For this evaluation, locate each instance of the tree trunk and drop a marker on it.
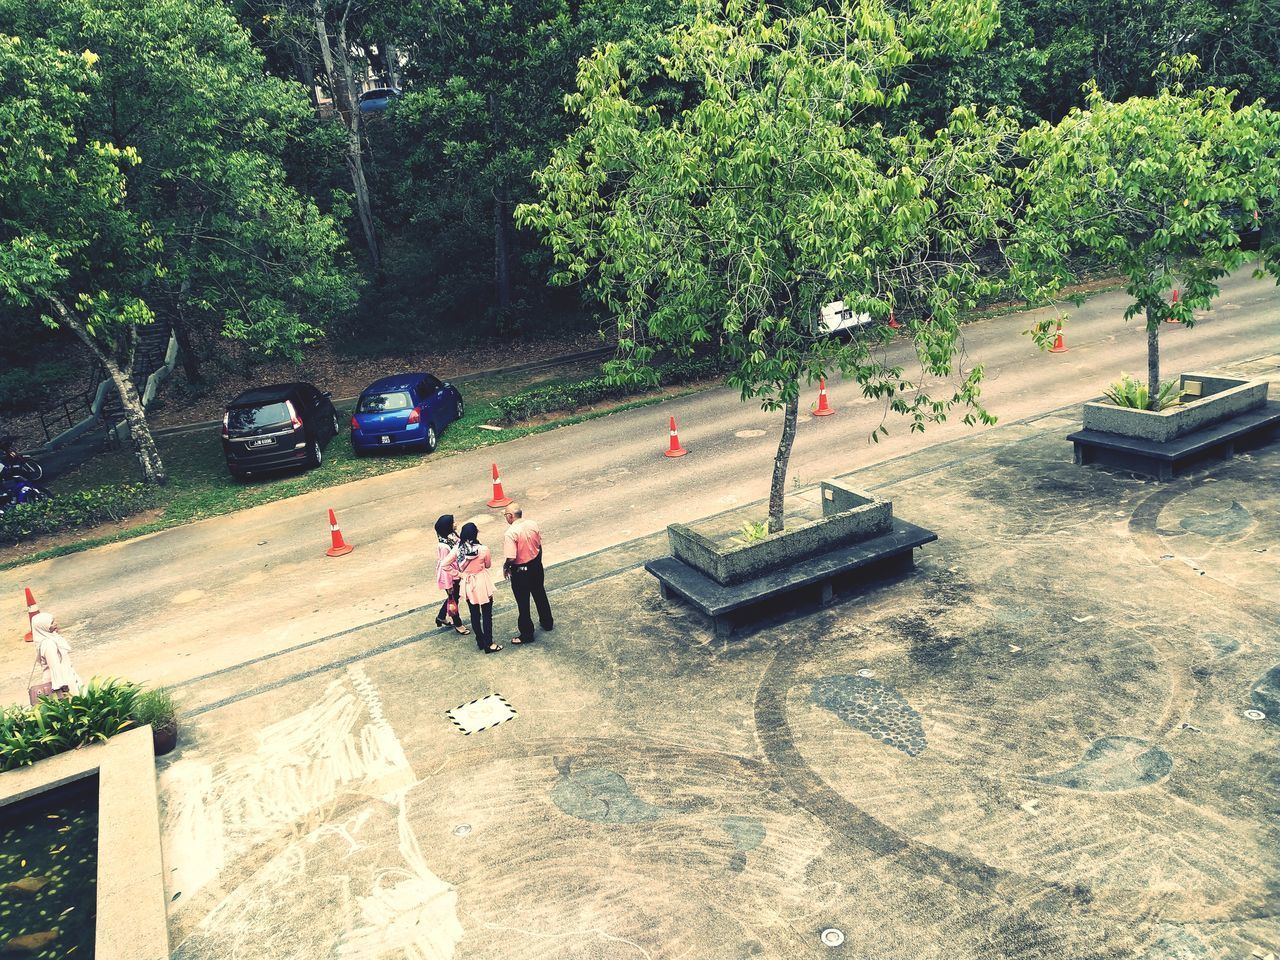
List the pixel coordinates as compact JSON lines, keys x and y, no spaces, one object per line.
{"x":144,"y":445}
{"x":778,"y":489}
{"x":186,"y":351}
{"x":307,"y":77}
{"x":1153,"y":359}
{"x":393,"y":63}
{"x":342,"y":85}
{"x":501,"y":242}
{"x":501,"y":255}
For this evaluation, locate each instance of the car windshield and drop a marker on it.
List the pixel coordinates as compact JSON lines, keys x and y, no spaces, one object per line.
{"x":384,"y":402}
{"x":252,"y":418}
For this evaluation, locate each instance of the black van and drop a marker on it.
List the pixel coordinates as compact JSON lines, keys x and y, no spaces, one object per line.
{"x":274,"y":428}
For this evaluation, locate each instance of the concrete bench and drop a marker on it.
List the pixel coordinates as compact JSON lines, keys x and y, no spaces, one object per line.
{"x":890,"y":554}
{"x":1162,"y":460}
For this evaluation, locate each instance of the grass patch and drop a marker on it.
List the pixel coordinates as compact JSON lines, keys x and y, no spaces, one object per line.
{"x":200,"y":487}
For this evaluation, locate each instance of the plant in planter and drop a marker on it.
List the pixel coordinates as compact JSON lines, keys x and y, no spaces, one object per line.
{"x":1131,"y":393}
{"x":769,"y":189}
{"x":156,"y":708}
{"x":1154,"y":186}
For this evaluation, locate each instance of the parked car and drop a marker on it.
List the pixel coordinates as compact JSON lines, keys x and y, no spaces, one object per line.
{"x":377,"y":99}
{"x":277,"y":427}
{"x":835,"y":317}
{"x":406,"y":410}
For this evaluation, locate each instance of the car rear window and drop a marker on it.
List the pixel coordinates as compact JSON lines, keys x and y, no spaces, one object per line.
{"x":254,"y":418}
{"x":384,"y":402}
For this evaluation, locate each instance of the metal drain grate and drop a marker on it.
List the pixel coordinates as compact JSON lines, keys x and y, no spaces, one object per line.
{"x":482,"y":714}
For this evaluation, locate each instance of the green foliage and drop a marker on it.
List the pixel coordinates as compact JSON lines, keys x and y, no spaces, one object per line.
{"x":82,"y":508}
{"x":155,"y":707}
{"x":1158,"y":187}
{"x":727,"y":220}
{"x":99,"y":712}
{"x":23,"y":390}
{"x":1128,"y":392}
{"x":569,"y":396}
{"x":753,"y":531}
{"x":143,"y":178}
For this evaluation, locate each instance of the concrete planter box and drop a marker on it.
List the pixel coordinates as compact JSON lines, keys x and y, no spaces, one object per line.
{"x":717,"y":550}
{"x":1218,"y":399}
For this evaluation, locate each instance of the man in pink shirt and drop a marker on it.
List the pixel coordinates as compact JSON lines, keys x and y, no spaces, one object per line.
{"x":522,"y":549}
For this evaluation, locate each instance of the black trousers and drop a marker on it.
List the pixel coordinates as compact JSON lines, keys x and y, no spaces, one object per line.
{"x":453,"y":595}
{"x":526,"y":582}
{"x":482,"y":623}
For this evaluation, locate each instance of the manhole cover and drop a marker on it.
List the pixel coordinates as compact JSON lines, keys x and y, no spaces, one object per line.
{"x":832,"y":937}
{"x":462,"y":829}
{"x":1255,"y":715}
{"x":482,"y":714}
{"x":868,"y":674}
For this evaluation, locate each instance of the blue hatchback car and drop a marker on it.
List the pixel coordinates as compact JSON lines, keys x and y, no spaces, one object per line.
{"x":407,"y":410}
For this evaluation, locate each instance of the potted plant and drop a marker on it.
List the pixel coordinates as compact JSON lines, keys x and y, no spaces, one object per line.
{"x":156,"y":708}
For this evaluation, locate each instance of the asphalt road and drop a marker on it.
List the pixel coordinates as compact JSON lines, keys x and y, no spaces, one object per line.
{"x":192,"y":599}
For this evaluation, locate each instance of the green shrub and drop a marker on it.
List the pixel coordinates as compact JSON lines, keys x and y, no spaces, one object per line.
{"x":570,"y":396}
{"x":24,"y":390}
{"x":1128,"y":392}
{"x":96,"y":714}
{"x":154,"y":707}
{"x":84,"y":508}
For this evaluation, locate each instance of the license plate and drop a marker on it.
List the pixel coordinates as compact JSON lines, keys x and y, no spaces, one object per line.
{"x":384,"y":439}
{"x":261,"y":443}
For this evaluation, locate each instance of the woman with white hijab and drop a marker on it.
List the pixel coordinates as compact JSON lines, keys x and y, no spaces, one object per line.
{"x":53,"y":655}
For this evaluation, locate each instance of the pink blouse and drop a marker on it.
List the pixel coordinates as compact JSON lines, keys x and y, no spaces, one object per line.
{"x":477,"y":581}
{"x":446,"y":566}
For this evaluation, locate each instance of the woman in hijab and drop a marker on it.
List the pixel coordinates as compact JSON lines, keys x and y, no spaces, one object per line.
{"x":474,"y":561}
{"x":53,"y":655}
{"x":447,"y":575}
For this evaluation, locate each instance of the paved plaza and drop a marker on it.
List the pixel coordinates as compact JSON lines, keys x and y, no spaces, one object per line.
{"x":1056,"y":739}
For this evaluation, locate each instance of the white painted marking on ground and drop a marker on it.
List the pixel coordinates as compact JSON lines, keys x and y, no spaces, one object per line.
{"x":188,"y":596}
{"x":216,"y":811}
{"x":749,"y":434}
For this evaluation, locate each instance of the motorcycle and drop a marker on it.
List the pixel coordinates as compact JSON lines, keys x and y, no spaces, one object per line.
{"x":16,"y":463}
{"x":15,"y":490}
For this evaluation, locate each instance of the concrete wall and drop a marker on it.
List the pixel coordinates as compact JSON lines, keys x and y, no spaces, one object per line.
{"x":848,"y":517}
{"x":1221,"y":398}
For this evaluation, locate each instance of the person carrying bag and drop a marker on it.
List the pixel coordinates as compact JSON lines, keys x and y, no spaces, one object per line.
{"x":53,"y":656}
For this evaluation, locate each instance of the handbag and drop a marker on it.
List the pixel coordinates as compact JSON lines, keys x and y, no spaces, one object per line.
{"x":39,"y":690}
{"x":452,"y":607}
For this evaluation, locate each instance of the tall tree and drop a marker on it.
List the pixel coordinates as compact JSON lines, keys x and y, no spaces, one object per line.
{"x":732,"y":218}
{"x":1158,"y":187}
{"x":162,"y":192}
{"x":483,"y":111}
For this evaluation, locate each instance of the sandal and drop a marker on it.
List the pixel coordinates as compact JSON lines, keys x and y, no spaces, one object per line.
{"x":493,"y":648}
{"x":517,"y":642}
{"x":460,"y":630}
{"x":439,"y":624}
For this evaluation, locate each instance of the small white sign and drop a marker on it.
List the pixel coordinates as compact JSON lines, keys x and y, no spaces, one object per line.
{"x":481,"y":714}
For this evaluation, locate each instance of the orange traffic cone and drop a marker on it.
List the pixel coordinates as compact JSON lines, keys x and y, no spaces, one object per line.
{"x":675,"y":450}
{"x":893,"y":323}
{"x":824,"y":409}
{"x":1058,"y":345}
{"x":340,"y":547}
{"x":1175,"y":300}
{"x":32,"y":610}
{"x":500,"y":499}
